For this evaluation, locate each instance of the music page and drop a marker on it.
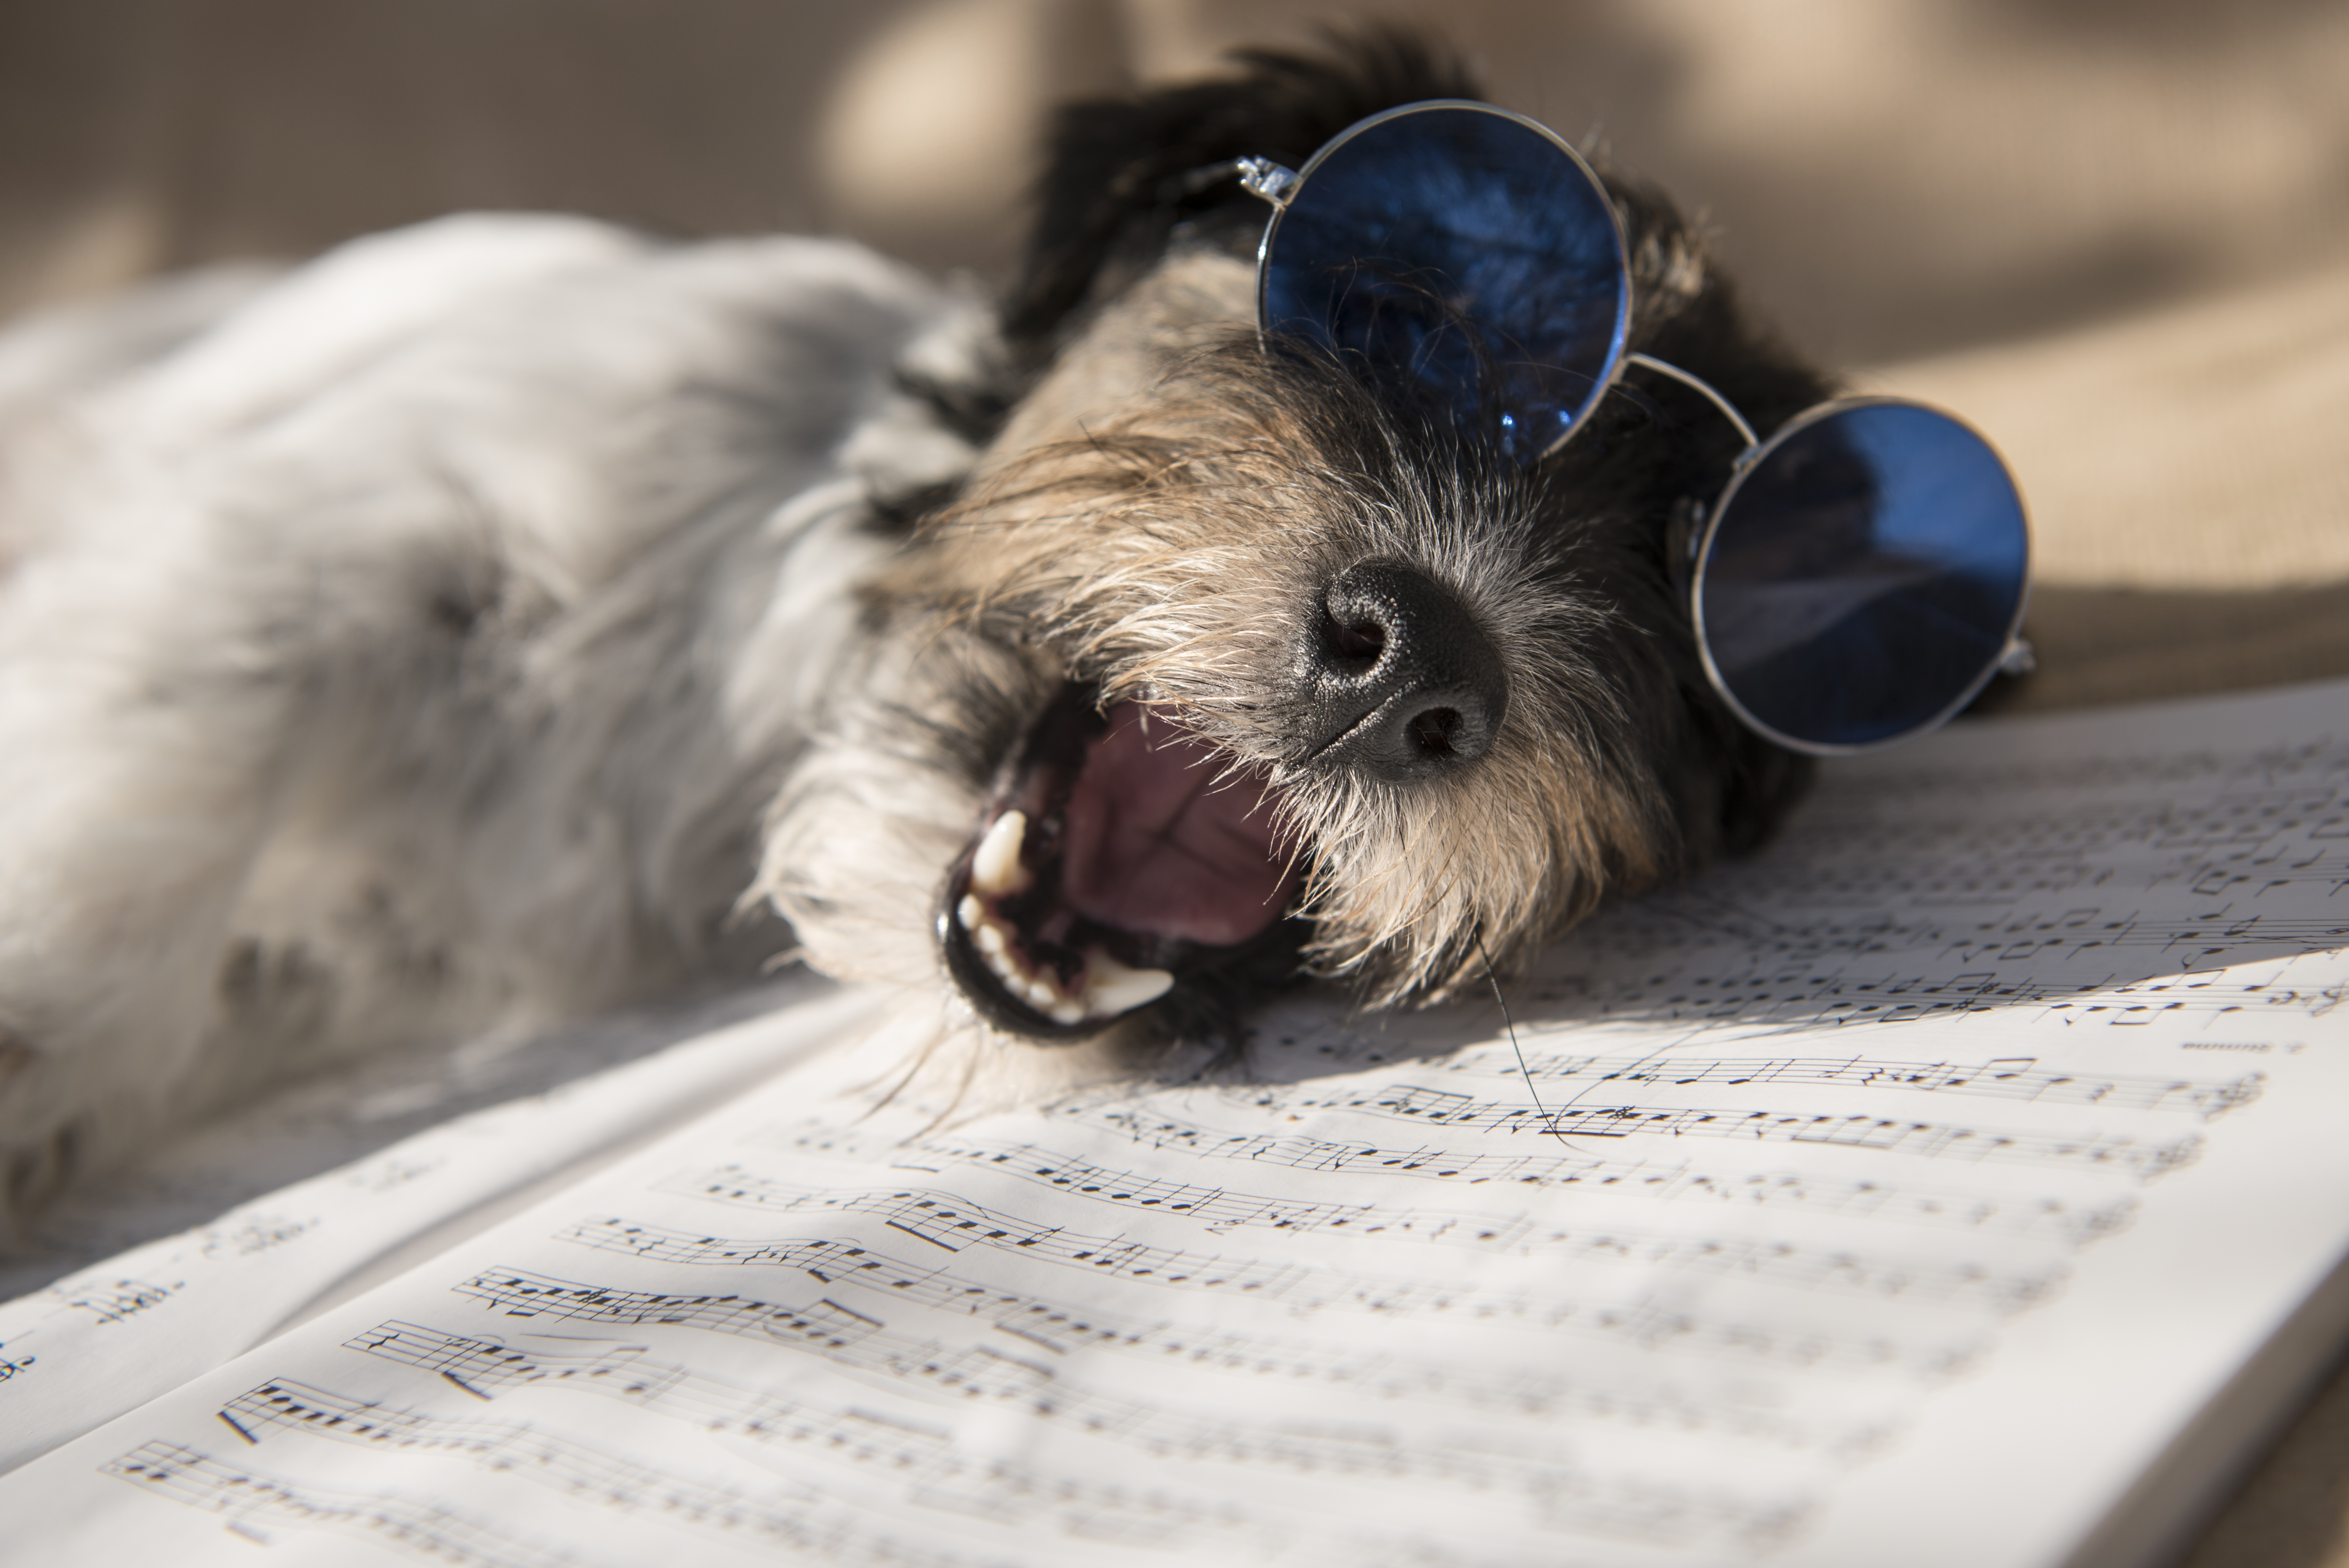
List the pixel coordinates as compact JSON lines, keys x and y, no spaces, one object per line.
{"x":1904,"y":1193}
{"x":115,"y":1334}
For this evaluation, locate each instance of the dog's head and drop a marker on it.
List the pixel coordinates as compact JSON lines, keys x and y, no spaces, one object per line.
{"x":1225,"y":666}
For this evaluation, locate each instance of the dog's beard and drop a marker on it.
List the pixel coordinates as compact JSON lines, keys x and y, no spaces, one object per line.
{"x":1133,"y":789}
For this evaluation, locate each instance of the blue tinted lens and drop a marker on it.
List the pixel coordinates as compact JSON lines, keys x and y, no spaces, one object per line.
{"x":1462,"y":253}
{"x":1864,"y":574}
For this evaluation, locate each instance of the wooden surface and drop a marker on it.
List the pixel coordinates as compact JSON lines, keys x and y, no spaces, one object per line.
{"x":2292,"y":1508}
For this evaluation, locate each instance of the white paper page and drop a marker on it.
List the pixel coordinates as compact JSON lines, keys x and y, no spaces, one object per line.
{"x":1895,"y":1197}
{"x":107,"y":1338}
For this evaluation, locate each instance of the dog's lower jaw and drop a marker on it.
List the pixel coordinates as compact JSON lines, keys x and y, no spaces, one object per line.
{"x":898,"y":826}
{"x":1115,"y":856}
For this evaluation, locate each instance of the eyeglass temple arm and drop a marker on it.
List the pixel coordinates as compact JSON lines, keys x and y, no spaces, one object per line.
{"x":1728,"y":410}
{"x":1259,"y":176}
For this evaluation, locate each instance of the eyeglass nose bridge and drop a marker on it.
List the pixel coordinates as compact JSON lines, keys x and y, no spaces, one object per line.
{"x":1698,"y":383}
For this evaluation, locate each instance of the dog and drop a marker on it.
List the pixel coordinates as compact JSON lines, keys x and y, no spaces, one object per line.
{"x":510,"y":618}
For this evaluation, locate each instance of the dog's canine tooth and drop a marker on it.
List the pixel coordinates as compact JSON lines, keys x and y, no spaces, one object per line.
{"x":994,"y":867}
{"x":1112,"y":988}
{"x":1109,"y":989}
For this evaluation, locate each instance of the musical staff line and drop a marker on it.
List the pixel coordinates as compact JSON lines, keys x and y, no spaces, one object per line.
{"x":1351,"y":1449}
{"x":421,"y":1530}
{"x":953,"y":1226}
{"x":1777,"y":1262}
{"x":1571,"y":1497}
{"x":1857,"y":1198}
{"x":2074,"y":1226}
{"x":2017,"y":1078}
{"x":938,"y":1476}
{"x":2165,"y":824}
{"x":1713,"y":978}
{"x":1061,"y":1327}
{"x":1304,"y":1289}
{"x":2142,"y":1158}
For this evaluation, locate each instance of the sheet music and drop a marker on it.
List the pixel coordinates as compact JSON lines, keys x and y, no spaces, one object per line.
{"x":1894,"y":1196}
{"x":106,"y":1338}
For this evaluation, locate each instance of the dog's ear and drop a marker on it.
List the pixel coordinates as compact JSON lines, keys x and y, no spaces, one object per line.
{"x":1760,"y":785}
{"x":1731,"y":790}
{"x":1688,"y":313}
{"x":1114,"y":184}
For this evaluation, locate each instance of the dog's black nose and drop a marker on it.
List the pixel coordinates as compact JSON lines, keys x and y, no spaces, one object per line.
{"x":1399,"y":680}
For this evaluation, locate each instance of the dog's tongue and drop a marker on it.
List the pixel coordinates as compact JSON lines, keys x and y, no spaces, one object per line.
{"x":1160,"y":842}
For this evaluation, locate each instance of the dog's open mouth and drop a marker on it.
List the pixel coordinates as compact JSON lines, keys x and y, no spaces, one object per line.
{"x":1121,"y":855}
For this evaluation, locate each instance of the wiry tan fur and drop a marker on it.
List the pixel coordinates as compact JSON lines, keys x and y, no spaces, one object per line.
{"x":1156,"y":518}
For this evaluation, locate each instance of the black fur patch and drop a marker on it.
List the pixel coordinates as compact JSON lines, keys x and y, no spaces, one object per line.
{"x":1113,"y":191}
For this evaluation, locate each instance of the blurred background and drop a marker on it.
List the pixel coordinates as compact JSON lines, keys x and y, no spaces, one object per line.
{"x":2115,"y":233}
{"x":1891,"y":177}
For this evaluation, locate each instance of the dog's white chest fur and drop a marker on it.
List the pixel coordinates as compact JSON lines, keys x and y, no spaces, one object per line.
{"x":426,"y":635}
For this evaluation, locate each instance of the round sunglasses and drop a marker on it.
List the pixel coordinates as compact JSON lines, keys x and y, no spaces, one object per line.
{"x":1862,"y":574}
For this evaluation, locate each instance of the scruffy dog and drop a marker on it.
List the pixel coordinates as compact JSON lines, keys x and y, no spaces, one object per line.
{"x":510,"y":618}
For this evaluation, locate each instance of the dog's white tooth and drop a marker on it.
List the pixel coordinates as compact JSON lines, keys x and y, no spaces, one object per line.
{"x":971,"y":913}
{"x":994,"y":867}
{"x":1112,"y":988}
{"x":990,"y":937}
{"x":1041,"y":995}
{"x":990,"y":947}
{"x":1068,"y":1011}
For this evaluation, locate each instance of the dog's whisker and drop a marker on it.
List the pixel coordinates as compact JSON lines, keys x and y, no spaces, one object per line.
{"x":909,"y":1069}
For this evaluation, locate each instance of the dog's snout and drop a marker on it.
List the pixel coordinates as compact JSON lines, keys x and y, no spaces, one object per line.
{"x":1399,"y":679}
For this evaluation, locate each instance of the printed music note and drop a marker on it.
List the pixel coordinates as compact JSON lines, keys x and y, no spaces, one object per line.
{"x":2144,"y":1160}
{"x":1813,"y":1132}
{"x":1777,"y":1262}
{"x":254,"y":1500}
{"x":1852,"y":1198}
{"x":924,"y":1458}
{"x":1563,"y":1489}
{"x":2019,"y":1079}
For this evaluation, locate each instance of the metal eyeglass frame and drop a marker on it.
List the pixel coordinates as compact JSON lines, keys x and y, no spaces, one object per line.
{"x":1277,"y":184}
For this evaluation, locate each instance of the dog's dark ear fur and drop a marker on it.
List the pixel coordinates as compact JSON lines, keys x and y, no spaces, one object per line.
{"x":1112,"y":190}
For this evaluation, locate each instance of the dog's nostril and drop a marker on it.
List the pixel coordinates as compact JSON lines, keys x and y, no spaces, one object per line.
{"x":1397,"y":675}
{"x":1356,"y":642}
{"x":1433,"y":730}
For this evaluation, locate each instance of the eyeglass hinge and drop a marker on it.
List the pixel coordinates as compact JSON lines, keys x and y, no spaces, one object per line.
{"x":1264,"y":178}
{"x":2019,"y":658}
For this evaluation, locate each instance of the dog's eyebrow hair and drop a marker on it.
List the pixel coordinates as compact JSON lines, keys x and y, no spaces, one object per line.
{"x":1476,"y":935}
